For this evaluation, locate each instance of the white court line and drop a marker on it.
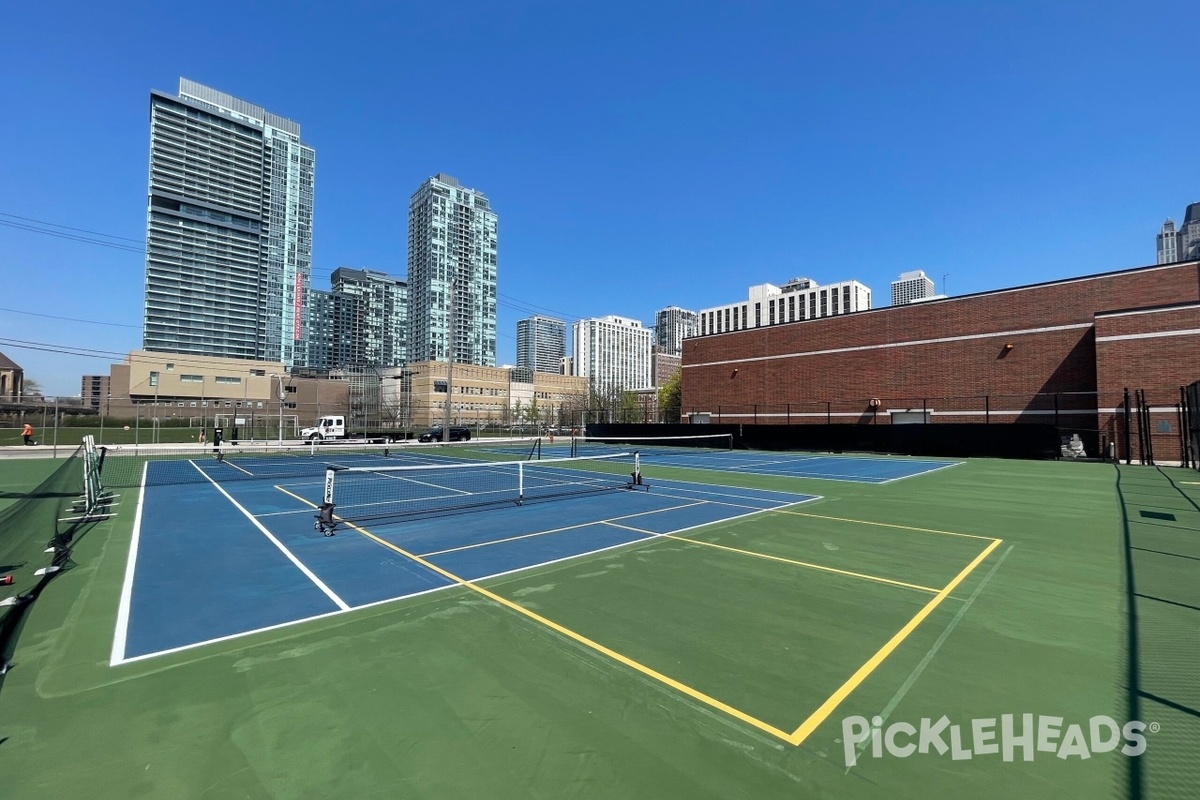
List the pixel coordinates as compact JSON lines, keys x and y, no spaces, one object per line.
{"x":235,"y":466}
{"x":665,"y":489}
{"x":556,"y":530}
{"x":503,"y":574}
{"x":937,"y":645}
{"x":122,"y":632}
{"x":926,"y":472}
{"x":283,"y":549}
{"x":833,"y":476}
{"x":422,"y":483}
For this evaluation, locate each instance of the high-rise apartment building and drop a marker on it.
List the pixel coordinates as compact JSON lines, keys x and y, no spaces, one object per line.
{"x":331,"y":324}
{"x":451,"y":248}
{"x":911,"y":286}
{"x":613,"y":353}
{"x":379,"y":325}
{"x":1182,"y":244}
{"x":671,"y":326}
{"x":797,"y":300}
{"x":229,"y":228}
{"x":541,"y":344}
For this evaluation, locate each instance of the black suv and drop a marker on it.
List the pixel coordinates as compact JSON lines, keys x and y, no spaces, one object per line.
{"x":456,"y":435}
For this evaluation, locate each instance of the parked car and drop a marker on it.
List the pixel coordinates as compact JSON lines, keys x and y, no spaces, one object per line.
{"x":435,"y":435}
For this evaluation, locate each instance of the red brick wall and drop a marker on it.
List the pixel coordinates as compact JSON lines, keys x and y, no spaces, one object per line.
{"x":779,"y":374}
{"x":1159,"y":365}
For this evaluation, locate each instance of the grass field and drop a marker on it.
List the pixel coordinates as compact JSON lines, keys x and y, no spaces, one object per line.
{"x":719,"y":663}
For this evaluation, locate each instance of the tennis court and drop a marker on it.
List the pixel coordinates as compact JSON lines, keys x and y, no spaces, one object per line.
{"x":235,"y":550}
{"x":705,"y":632}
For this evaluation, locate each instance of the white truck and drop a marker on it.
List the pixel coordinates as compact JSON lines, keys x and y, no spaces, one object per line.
{"x":333,"y":428}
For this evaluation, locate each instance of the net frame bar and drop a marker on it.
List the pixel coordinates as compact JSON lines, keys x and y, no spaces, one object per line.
{"x":333,"y":470}
{"x":682,"y":443}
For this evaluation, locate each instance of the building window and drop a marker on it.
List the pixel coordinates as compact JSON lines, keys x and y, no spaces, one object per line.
{"x":154,"y":379}
{"x":771,"y":312}
{"x":170,"y":367}
{"x":191,"y":378}
{"x":757,"y":314}
{"x":824,"y":303}
{"x":441,"y":387}
{"x":745,"y":310}
{"x":258,"y":373}
{"x":792,"y":308}
{"x":846,"y":300}
{"x":224,"y":379}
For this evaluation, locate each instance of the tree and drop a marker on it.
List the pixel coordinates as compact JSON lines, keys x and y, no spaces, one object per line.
{"x":32,"y":388}
{"x":670,"y":398}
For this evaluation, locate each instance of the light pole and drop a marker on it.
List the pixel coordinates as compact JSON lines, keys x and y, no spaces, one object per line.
{"x":282,"y":397}
{"x":450,"y":365}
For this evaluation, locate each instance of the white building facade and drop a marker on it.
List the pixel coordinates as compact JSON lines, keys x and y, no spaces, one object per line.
{"x":797,"y":300}
{"x":613,"y":353}
{"x":910,"y":286}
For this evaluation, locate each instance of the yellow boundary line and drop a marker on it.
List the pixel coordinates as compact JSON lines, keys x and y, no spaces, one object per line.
{"x":809,"y":565}
{"x":887,"y":525}
{"x":570,"y":634}
{"x":807,"y":727}
{"x":817,"y":717}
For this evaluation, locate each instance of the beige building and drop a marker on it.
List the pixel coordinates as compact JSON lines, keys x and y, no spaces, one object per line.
{"x":211,"y":391}
{"x":480,"y":396}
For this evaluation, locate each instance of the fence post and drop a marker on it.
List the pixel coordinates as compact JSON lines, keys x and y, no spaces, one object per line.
{"x":1056,"y":410}
{"x":789,"y":413}
{"x":1127,"y":437}
{"x":987,"y":409}
{"x":828,"y":413}
{"x":756,"y":413}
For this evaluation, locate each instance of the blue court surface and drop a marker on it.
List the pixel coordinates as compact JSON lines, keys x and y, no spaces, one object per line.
{"x":229,"y":554}
{"x":857,"y":469}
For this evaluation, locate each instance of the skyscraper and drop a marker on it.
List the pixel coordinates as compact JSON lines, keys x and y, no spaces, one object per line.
{"x":541,"y":344}
{"x":671,"y":326}
{"x":911,"y":286}
{"x":229,"y":228}
{"x":1183,"y":244}
{"x":379,"y":332}
{"x":451,"y":243}
{"x":614,"y":353}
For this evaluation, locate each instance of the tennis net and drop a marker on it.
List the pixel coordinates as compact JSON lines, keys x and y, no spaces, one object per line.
{"x":122,"y":465}
{"x":361,"y":494}
{"x":595,"y":445}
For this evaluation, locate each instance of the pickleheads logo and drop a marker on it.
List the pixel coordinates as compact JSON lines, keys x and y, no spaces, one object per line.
{"x":983,"y":737}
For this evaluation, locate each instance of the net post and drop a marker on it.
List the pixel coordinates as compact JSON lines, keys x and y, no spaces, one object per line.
{"x":637,"y":468}
{"x":520,"y":482}
{"x":330,"y":472}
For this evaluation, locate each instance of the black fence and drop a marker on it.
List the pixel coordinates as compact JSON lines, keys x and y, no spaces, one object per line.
{"x":1189,"y":423}
{"x":957,"y":440}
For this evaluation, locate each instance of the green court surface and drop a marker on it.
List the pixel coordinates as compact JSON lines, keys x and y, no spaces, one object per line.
{"x":720,"y":662}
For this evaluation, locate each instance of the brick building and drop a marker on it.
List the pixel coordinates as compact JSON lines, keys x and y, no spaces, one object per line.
{"x":1062,"y":351}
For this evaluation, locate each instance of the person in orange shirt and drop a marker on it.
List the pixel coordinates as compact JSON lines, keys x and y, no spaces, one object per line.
{"x":27,"y":434}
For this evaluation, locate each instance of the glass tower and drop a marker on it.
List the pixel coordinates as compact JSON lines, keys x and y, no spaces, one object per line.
{"x":379,"y":324}
{"x":671,"y":326}
{"x":541,"y":344}
{"x":451,"y":246}
{"x":229,"y":229}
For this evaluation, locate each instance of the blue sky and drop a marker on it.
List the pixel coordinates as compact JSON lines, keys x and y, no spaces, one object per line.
{"x":638,"y":155}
